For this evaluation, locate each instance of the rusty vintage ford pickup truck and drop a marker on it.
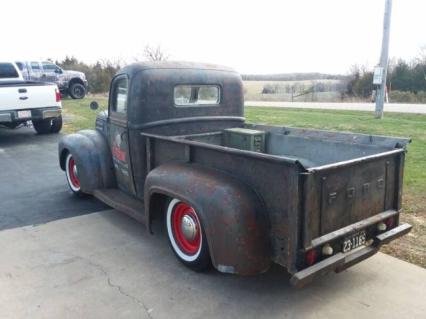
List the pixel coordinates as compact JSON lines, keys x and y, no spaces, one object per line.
{"x":174,"y":144}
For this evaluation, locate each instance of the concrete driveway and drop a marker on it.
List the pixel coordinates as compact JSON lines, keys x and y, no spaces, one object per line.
{"x":390,"y":107}
{"x":105,"y":265}
{"x":33,"y":188}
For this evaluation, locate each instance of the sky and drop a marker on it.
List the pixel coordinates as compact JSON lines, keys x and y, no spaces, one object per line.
{"x":260,"y":37}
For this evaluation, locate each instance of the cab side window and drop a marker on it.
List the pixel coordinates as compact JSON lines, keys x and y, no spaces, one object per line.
{"x":35,"y":66}
{"x":119,"y":95}
{"x":49,"y":67}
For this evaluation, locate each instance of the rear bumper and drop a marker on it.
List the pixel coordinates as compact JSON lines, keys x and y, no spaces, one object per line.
{"x":36,"y":114}
{"x":342,"y":261}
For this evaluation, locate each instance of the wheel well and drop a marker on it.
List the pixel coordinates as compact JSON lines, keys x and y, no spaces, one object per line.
{"x":75,"y":80}
{"x":157,"y":206}
{"x":62,"y":158}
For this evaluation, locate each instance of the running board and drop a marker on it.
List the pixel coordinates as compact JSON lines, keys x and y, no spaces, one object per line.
{"x":122,"y":202}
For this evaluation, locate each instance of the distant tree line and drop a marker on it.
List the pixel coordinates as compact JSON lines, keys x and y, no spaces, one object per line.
{"x":295,"y":87}
{"x":406,"y":81}
{"x":291,"y":77}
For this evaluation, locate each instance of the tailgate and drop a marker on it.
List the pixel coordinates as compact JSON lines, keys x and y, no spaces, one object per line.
{"x":28,"y":95}
{"x":9,"y":98}
{"x":344,"y":193}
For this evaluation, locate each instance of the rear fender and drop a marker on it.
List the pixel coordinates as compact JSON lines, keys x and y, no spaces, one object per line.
{"x":231,"y":213}
{"x":92,"y":155}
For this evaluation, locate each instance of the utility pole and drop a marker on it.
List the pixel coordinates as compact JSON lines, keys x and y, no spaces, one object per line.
{"x":384,"y":60}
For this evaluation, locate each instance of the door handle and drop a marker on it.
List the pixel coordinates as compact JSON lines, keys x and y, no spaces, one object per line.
{"x":22,"y":90}
{"x":23,"y":97}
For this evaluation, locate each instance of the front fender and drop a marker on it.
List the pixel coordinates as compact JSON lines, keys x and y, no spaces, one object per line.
{"x":92,"y":156}
{"x":231,"y":213}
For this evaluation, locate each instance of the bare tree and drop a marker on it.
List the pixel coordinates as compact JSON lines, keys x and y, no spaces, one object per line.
{"x":155,"y":53}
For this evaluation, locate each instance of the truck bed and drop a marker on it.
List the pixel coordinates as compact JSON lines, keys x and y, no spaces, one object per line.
{"x":315,"y":181}
{"x":312,"y":148}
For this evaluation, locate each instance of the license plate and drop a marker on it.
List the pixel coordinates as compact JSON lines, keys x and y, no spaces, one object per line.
{"x":24,"y":114}
{"x":354,"y":241}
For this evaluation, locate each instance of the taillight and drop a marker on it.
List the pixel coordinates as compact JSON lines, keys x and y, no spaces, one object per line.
{"x":311,"y":257}
{"x":389,"y":222}
{"x":57,"y":95}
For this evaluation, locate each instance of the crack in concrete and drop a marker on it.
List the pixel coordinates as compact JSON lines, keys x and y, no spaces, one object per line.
{"x":103,"y":271}
{"x":119,"y":288}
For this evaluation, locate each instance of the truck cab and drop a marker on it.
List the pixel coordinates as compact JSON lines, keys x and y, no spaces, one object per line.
{"x":174,"y":144}
{"x":72,"y":83}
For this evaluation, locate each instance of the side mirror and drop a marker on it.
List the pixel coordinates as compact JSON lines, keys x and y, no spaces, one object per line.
{"x":58,"y":70}
{"x":94,"y":105}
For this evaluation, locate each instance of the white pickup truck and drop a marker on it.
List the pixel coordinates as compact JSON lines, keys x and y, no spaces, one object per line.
{"x":22,"y":101}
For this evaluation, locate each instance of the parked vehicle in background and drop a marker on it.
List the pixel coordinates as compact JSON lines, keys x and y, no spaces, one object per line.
{"x":174,"y":145}
{"x":72,"y":83}
{"x":22,"y":101}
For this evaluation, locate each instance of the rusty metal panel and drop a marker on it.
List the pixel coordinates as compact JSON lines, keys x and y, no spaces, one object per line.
{"x":232,"y":214}
{"x":281,"y":201}
{"x":390,"y":183}
{"x":344,"y":194}
{"x":351,"y":194}
{"x":310,"y":208}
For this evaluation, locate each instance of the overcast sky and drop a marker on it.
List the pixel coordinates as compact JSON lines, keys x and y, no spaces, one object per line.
{"x":251,"y":36}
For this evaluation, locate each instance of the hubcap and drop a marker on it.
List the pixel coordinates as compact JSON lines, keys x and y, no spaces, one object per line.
{"x":75,"y":170}
{"x":188,"y":227}
{"x":78,"y":92}
{"x":72,"y":171}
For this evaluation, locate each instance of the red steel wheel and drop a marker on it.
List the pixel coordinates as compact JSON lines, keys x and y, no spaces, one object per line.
{"x":186,"y":235}
{"x":71,"y":172}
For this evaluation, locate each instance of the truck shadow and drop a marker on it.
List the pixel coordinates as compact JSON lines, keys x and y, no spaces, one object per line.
{"x":266,"y":295}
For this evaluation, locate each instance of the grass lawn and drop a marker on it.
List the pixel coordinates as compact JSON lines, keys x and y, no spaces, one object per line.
{"x":78,"y":115}
{"x":411,"y":247}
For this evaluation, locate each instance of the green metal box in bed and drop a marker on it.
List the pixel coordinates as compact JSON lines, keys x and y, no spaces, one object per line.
{"x":245,"y":139}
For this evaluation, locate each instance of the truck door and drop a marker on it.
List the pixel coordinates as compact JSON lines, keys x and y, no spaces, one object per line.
{"x":36,"y":71}
{"x":118,"y":133}
{"x":49,"y":72}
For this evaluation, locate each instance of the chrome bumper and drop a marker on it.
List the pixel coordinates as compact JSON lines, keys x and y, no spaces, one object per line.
{"x":342,"y":261}
{"x":45,"y":114}
{"x":36,"y":114}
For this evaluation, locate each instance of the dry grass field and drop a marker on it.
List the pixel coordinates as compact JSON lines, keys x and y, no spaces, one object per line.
{"x":253,"y":91}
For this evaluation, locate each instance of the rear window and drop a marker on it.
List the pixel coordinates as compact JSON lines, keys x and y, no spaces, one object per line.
{"x":7,"y":70}
{"x":197,"y":95}
{"x":20,"y":65}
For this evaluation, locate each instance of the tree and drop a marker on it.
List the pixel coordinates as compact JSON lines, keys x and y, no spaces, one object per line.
{"x":155,"y":53}
{"x":402,"y":77}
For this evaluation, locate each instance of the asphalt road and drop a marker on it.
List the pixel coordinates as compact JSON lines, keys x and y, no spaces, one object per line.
{"x":391,"y":107}
{"x":33,"y":188}
{"x":105,"y":265}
